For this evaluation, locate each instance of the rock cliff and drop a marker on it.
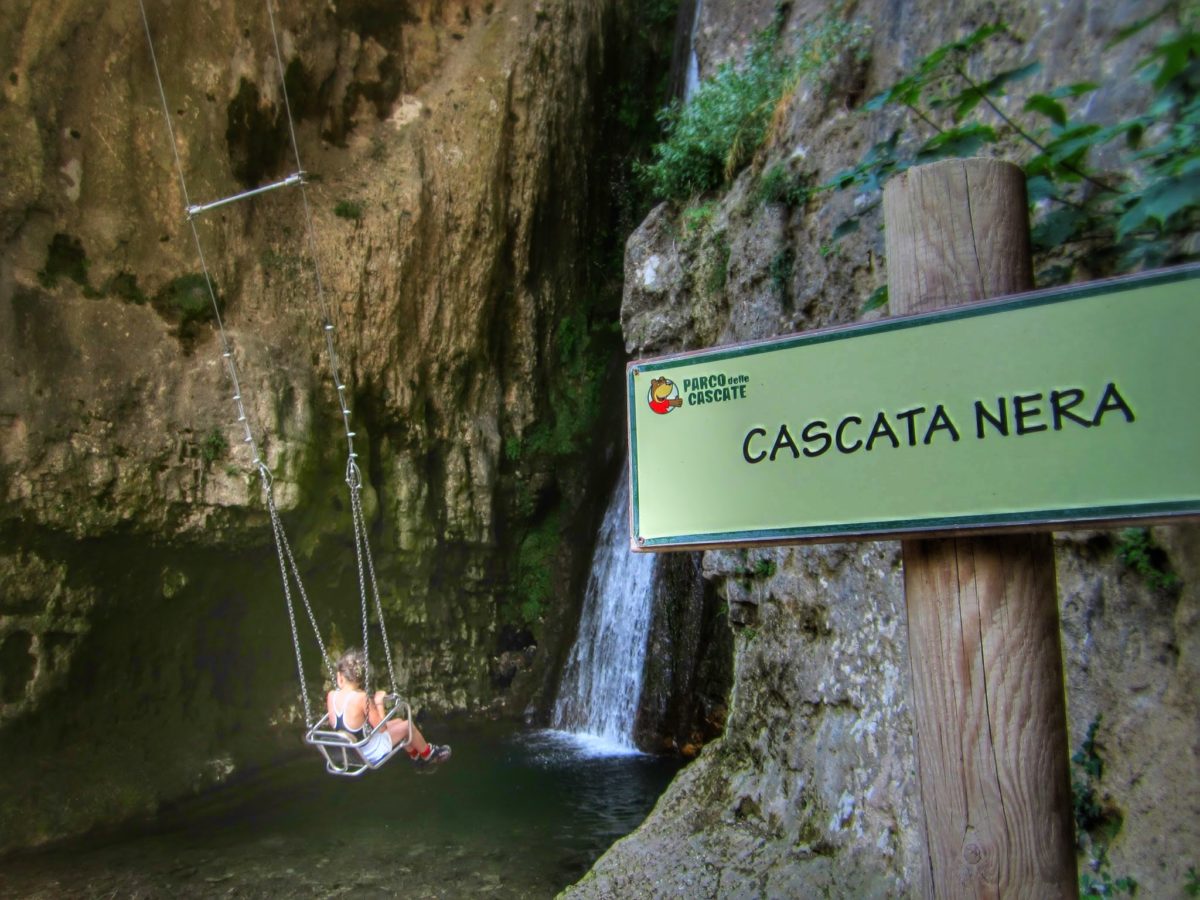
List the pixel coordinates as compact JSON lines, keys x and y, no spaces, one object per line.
{"x":460,"y":159}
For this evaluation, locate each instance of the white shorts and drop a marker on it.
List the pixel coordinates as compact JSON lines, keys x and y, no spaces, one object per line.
{"x":377,"y":747}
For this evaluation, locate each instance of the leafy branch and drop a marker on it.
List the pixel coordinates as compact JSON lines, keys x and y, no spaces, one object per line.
{"x":1136,"y":215}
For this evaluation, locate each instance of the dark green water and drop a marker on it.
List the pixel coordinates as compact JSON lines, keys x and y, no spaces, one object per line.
{"x":514,"y":813}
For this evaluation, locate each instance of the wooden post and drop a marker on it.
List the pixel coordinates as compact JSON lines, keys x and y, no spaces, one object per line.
{"x":983,"y":627}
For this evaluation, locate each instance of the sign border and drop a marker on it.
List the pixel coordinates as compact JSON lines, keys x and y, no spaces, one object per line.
{"x":948,"y":526}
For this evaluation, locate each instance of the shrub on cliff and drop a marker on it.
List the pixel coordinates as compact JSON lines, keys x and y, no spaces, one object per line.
{"x":714,"y":135}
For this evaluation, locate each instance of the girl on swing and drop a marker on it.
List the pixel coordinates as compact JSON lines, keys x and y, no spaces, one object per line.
{"x":351,"y":710}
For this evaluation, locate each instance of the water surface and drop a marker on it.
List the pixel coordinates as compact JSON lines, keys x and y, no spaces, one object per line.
{"x":514,"y":813}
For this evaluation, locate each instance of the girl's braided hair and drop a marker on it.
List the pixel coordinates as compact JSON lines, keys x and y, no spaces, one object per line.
{"x":353,"y":667}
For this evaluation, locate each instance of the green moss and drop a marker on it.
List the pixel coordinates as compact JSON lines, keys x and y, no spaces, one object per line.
{"x":1138,"y":552}
{"x":213,"y":447}
{"x":779,"y":185}
{"x":186,"y":299}
{"x":575,"y":395}
{"x":536,"y":562}
{"x":719,"y":130}
{"x":697,"y":216}
{"x":348,"y":209}
{"x":782,"y":267}
{"x":125,"y":286}
{"x":718,"y":274}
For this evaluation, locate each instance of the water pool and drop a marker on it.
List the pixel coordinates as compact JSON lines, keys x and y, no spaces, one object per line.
{"x":514,"y":813}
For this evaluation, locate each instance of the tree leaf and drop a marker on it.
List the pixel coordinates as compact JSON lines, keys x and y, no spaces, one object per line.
{"x":1059,"y":226}
{"x":878,"y":298}
{"x":1130,"y":30}
{"x":1039,"y":187}
{"x":1048,"y":107}
{"x":1160,"y":201}
{"x":996,"y":83}
{"x":1078,"y":89}
{"x":954,"y":142}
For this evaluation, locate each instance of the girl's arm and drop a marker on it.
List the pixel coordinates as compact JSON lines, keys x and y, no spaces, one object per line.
{"x":375,"y":711}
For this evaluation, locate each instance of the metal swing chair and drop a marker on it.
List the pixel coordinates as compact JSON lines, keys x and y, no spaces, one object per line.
{"x":343,"y":754}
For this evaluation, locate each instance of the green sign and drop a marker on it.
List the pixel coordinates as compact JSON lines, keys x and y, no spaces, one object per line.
{"x":1074,"y":405}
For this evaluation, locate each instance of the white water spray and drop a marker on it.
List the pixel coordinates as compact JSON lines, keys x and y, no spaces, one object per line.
{"x":602,"y":682}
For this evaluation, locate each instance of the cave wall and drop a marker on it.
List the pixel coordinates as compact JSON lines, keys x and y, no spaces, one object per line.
{"x":812,"y":789}
{"x":460,"y":179}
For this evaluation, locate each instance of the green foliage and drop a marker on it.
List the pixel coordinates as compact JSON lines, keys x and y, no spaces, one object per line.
{"x":125,"y":285}
{"x":778,"y":184}
{"x":697,"y":216}
{"x":348,"y":209}
{"x":759,"y":569}
{"x":718,"y":273}
{"x":1095,"y":823}
{"x":878,"y":298}
{"x":1119,"y":221}
{"x":1191,"y":886}
{"x":1101,"y":883}
{"x":536,"y":563}
{"x":1089,"y":769}
{"x":575,"y":395}
{"x":65,"y":258}
{"x":712,"y":137}
{"x":213,"y":447}
{"x":1137,"y":550}
{"x":781,"y":269}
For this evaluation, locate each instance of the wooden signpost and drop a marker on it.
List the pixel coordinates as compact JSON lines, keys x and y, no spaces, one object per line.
{"x":1026,"y":414}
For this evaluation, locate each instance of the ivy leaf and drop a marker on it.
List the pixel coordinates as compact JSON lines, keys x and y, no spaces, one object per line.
{"x":1130,"y":30}
{"x":1054,"y":275}
{"x":1058,"y":227}
{"x":1078,"y":89}
{"x":878,"y":298}
{"x":978,"y":36}
{"x":1048,"y":107}
{"x":1039,"y":187}
{"x":1173,"y":56}
{"x":997,"y":83}
{"x":1143,"y":255}
{"x":1160,"y":201}
{"x":955,"y":142}
{"x":906,"y":92}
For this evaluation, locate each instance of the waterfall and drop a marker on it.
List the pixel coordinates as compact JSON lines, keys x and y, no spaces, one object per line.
{"x":692,"y":74}
{"x":602,"y":682}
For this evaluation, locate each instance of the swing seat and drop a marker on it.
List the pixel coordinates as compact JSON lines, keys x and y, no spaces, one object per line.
{"x":343,"y":754}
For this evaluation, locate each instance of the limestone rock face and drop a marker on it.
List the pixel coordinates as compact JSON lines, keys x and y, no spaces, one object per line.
{"x":812,"y":790}
{"x":452,"y":161}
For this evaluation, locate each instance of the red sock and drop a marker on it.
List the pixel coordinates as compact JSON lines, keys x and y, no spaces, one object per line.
{"x":424,"y":754}
{"x":412,"y":752}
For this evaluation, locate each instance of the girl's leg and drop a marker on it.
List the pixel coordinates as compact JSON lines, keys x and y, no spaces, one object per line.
{"x":398,"y":729}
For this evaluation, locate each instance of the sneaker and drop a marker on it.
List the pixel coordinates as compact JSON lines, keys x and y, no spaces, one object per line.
{"x":438,"y":753}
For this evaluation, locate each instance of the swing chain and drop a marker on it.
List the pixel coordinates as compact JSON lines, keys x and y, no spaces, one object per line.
{"x":288,"y":562}
{"x":366,"y":568}
{"x":366,"y":565}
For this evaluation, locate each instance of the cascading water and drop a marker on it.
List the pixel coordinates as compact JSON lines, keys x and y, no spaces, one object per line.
{"x":602,"y":682}
{"x":692,"y":74}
